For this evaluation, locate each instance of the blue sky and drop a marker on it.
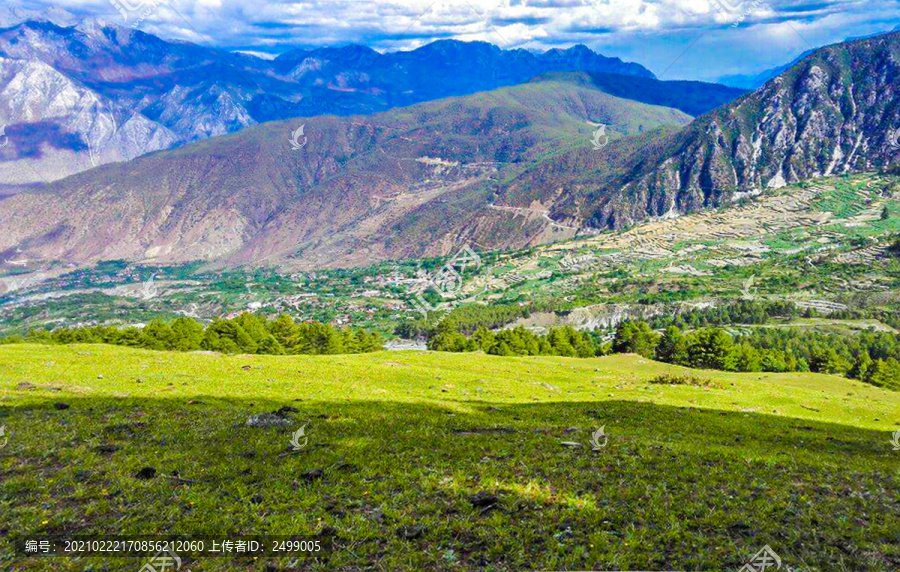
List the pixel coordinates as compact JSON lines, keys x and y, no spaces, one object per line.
{"x":676,"y":39}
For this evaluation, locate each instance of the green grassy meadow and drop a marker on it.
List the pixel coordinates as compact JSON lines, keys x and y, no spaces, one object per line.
{"x":693,"y":477}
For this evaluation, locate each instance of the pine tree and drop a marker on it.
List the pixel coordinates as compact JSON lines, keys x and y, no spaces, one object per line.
{"x":712,"y":349}
{"x":672,"y":347}
{"x":861,"y":366}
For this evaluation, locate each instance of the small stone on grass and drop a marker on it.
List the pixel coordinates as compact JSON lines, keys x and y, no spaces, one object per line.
{"x":146,"y":474}
{"x":285,"y":410}
{"x":410,"y":532}
{"x":312,"y":475}
{"x":484,"y":499}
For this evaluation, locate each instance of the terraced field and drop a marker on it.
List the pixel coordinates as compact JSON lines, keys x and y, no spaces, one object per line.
{"x":741,"y":235}
{"x":819,"y":245}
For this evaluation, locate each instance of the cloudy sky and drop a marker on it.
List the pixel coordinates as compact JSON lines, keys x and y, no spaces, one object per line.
{"x":676,"y":39}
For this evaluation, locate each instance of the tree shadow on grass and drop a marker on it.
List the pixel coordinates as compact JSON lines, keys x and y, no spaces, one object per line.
{"x":672,"y":488}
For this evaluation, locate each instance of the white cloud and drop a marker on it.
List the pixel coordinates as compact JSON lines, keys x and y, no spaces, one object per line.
{"x":652,"y":32}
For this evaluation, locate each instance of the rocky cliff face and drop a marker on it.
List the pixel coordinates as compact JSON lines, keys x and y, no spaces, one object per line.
{"x":836,"y":111}
{"x":56,"y":127}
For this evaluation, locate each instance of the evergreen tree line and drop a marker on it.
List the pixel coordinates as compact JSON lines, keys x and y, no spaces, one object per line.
{"x":247,"y":333}
{"x":520,"y":342}
{"x":469,"y":319}
{"x":770,"y":350}
{"x":758,"y":312}
{"x":739,"y":312}
{"x":872,"y":357}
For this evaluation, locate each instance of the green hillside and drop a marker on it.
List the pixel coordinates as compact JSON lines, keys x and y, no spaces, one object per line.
{"x":347,"y":192}
{"x":693,"y":477}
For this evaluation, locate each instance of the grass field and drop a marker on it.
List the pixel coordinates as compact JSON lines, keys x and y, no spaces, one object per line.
{"x":691,"y":478}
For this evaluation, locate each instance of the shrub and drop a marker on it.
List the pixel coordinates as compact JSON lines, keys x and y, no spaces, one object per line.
{"x":670,"y":379}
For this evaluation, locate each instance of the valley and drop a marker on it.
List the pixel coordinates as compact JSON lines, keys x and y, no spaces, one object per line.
{"x":821,"y":245}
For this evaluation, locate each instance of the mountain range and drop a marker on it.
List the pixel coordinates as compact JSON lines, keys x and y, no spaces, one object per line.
{"x":755,"y":81}
{"x":563,"y":154}
{"x":76,"y":96}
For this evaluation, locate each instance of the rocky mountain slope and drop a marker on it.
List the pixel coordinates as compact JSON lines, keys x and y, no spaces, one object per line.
{"x":342,"y":191}
{"x":55,"y":126}
{"x":836,"y":111}
{"x":757,"y":80}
